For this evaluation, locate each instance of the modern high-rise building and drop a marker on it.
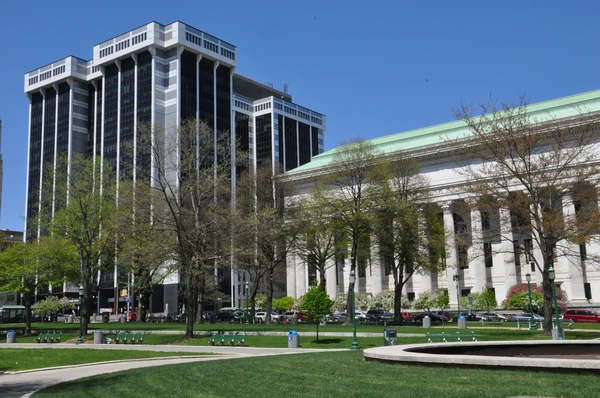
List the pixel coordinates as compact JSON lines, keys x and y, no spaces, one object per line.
{"x":1,"y":169}
{"x":161,"y":75}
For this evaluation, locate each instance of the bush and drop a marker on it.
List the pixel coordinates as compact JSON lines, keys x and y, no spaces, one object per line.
{"x":517,"y":298}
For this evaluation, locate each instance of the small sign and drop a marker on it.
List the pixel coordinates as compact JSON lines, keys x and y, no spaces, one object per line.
{"x":127,"y":299}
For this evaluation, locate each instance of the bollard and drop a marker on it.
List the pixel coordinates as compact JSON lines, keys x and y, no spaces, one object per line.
{"x":518,"y":325}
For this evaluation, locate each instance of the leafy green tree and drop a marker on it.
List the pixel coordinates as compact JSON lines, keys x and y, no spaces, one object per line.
{"x":517,"y":298}
{"x":425,"y":300}
{"x":283,"y":304}
{"x":25,"y":267}
{"x":53,"y":305}
{"x":470,"y":302}
{"x":86,"y":215}
{"x":316,"y":304}
{"x":487,"y":299}
{"x":442,"y":300}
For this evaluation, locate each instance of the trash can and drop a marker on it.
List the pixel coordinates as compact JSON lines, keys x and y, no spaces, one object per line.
{"x":462,"y":322}
{"x":105,"y":317}
{"x":426,"y":322}
{"x":390,"y":336}
{"x":98,"y":337}
{"x":11,"y":337}
{"x":293,"y":339}
{"x":122,"y":318}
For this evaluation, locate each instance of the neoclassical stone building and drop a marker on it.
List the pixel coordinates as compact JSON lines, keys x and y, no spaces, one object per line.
{"x":497,"y":260}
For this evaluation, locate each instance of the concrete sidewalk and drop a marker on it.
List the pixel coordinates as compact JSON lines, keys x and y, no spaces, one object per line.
{"x":24,"y":383}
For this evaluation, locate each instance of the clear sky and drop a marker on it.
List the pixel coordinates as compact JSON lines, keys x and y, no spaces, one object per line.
{"x":372,"y":67}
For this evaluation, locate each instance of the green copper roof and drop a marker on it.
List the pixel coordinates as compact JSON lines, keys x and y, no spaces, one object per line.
{"x":543,"y":111}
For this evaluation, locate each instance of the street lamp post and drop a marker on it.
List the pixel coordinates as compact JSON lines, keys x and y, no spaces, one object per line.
{"x":532,"y":324}
{"x":456,"y":278}
{"x":354,"y":341}
{"x":80,"y":339}
{"x":247,"y":292}
{"x":551,"y":276}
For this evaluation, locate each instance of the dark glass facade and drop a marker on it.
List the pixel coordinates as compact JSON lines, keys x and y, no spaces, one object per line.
{"x":91,"y":114}
{"x":207,"y":90}
{"x":144,"y":106}
{"x":63,"y":121}
{"x":304,"y":141}
{"x":49,"y":126}
{"x":280,"y":134}
{"x":263,"y":139}
{"x":99,"y":98}
{"x":291,"y":144}
{"x":188,"y":85}
{"x":127,"y":117}
{"x":111,"y":87}
{"x":242,"y":135}
{"x":223,"y":99}
{"x":35,"y":154}
{"x":315,"y":141}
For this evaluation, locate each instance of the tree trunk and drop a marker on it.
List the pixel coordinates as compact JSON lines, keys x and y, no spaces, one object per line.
{"x":322,"y":281}
{"x":269,"y":308}
{"x":28,"y":317}
{"x":351,"y":285}
{"x":548,"y":302}
{"x":398,"y":300}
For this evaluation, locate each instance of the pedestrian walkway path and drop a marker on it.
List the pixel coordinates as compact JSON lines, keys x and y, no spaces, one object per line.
{"x":19,"y":384}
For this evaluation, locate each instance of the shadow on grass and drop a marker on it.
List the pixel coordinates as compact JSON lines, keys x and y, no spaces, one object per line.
{"x":327,"y":341}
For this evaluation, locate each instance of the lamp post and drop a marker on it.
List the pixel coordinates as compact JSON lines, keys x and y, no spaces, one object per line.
{"x":80,"y":339}
{"x":247,"y":292}
{"x":551,"y":276}
{"x":532,"y":324}
{"x":354,"y":341}
{"x":456,"y":278}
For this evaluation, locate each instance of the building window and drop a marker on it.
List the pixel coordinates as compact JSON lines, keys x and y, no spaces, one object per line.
{"x":517,"y":251}
{"x":463,"y":261}
{"x":588,"y":290}
{"x":312,"y":274}
{"x":465,"y":292}
{"x":528,"y":246}
{"x":487,"y":254}
{"x":485,"y":220}
{"x":459,"y":224}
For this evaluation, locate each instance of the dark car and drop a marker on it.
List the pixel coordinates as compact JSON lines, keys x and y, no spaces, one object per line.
{"x":469,"y":317}
{"x":227,"y":316}
{"x":379,"y":316}
{"x":435,"y":316}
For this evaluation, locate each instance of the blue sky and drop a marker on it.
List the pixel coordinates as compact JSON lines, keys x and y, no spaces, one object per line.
{"x":374,"y":68}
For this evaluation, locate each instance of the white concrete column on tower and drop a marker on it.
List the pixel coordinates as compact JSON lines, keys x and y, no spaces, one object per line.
{"x":135,"y":97}
{"x":506,"y":257}
{"x":331,"y":278}
{"x":376,"y":272}
{"x":291,"y":274}
{"x":570,"y":260}
{"x":452,"y":267}
{"x":476,"y":253}
{"x":56,"y":87}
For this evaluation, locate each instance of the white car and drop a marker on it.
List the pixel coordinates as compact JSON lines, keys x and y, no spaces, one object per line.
{"x":261,"y":317}
{"x":360,"y":315}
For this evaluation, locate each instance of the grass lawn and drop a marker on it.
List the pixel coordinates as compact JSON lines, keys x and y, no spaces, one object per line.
{"x":335,"y":374}
{"x":15,"y":359}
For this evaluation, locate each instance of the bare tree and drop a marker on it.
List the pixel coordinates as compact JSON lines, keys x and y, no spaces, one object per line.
{"x":86,"y":214}
{"x":347,"y":188}
{"x":320,"y":235}
{"x":409,"y":229}
{"x":145,"y":246}
{"x":263,"y":236}
{"x":190,"y":173}
{"x":544,"y":170}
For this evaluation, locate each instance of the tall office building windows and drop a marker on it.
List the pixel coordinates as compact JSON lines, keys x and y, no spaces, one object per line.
{"x":188,"y":85}
{"x":281,"y":140}
{"x":291,"y":144}
{"x":315,"y":141}
{"x":63,"y":124}
{"x":127,"y":105}
{"x":207,"y":89}
{"x":35,"y":156}
{"x":98,"y":132}
{"x":242,"y":135}
{"x":304,"y":140}
{"x":111,"y":106}
{"x":264,"y":143}
{"x":223,"y":99}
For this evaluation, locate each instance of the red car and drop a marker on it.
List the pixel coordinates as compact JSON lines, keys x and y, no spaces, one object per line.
{"x":588,"y":316}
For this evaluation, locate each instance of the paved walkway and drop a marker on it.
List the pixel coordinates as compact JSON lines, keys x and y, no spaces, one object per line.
{"x":19,"y":384}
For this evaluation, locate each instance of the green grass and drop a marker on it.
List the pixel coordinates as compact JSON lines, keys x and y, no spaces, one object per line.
{"x":335,"y":374}
{"x":15,"y":359}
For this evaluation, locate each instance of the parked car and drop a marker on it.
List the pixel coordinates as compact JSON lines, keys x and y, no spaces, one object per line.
{"x":377,"y":315}
{"x":227,"y":316}
{"x":435,"y":316}
{"x":338,"y":317}
{"x":295,"y":316}
{"x":492,"y":317}
{"x":472,"y":317}
{"x":525,"y":317}
{"x":588,"y":316}
{"x":360,"y":315}
{"x":261,"y":317}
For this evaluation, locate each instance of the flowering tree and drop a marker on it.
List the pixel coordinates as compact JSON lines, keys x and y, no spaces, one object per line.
{"x":517,"y":298}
